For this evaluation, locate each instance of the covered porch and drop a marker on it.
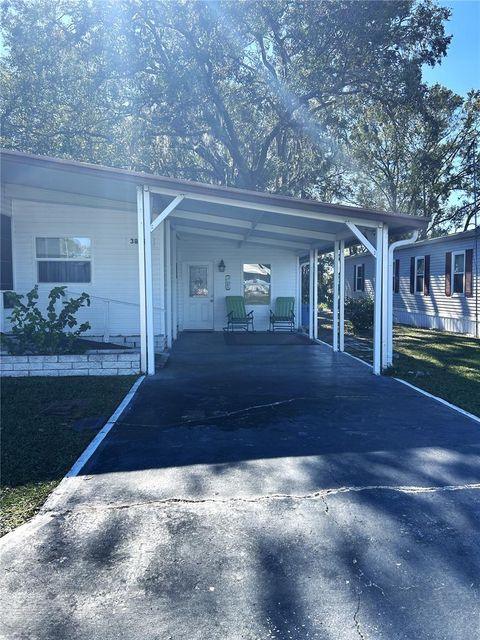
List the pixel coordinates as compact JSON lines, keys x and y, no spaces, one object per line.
{"x":218,"y":234}
{"x":191,"y":233}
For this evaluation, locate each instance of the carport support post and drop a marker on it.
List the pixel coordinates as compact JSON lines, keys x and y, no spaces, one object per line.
{"x":335,"y":293}
{"x":168,"y":278}
{"x":142,"y":279}
{"x":174,"y":284}
{"x":161,"y":242}
{"x":147,"y":219}
{"x":341,"y":265}
{"x":310,"y":295}
{"x":386,"y":296}
{"x":298,"y":304}
{"x":379,"y":300}
{"x":315,"y":294}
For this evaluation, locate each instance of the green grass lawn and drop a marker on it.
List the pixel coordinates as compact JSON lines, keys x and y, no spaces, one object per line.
{"x":39,"y":442}
{"x":445,"y":364}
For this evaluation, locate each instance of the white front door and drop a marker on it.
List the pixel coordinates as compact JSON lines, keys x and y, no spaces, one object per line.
{"x":198,"y":296}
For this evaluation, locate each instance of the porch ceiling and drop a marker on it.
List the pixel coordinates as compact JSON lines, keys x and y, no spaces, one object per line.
{"x":234,"y":214}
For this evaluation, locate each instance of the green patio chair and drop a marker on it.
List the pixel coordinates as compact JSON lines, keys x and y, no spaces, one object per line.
{"x":237,"y":315}
{"x":283,"y":317}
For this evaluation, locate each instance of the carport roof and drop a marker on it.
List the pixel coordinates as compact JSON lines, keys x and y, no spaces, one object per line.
{"x":232,"y":213}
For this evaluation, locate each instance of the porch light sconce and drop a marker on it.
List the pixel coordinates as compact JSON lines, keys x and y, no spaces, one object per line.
{"x":221,"y":266}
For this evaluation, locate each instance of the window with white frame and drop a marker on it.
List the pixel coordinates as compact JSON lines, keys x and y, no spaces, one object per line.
{"x":359,"y":276}
{"x":419,"y":274}
{"x":63,"y":260}
{"x":458,"y":270}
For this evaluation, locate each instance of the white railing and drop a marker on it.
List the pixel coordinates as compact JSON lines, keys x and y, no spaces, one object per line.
{"x":107,"y":311}
{"x":107,"y":304}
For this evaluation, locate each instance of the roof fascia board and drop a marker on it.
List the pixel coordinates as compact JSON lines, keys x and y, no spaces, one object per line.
{"x":269,"y":208}
{"x":50,"y":196}
{"x":197,"y":190}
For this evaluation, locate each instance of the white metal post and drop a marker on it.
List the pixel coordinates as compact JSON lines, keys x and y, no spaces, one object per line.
{"x":141,"y":276}
{"x":377,"y":321}
{"x":174,"y":285}
{"x":168,"y":278}
{"x":310,"y":296}
{"x":341,"y":268}
{"x":161,"y":242}
{"x":335,"y":294}
{"x":386,"y":290}
{"x":298,"y":303}
{"x":315,"y":294}
{"x":147,"y":216}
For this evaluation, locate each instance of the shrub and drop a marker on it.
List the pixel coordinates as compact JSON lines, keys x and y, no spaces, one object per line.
{"x":34,"y":333}
{"x":360,"y":313}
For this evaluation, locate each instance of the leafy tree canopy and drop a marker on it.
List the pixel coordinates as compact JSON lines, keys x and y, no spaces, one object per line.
{"x":292,"y":96}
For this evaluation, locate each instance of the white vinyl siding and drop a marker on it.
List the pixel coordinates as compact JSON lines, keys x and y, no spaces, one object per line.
{"x":114,"y":260}
{"x":213,"y":250}
{"x":438,"y":311}
{"x":114,"y":264}
{"x":352,"y":265}
{"x":437,"y":303}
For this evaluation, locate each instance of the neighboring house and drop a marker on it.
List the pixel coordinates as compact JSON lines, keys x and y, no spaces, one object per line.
{"x":435,"y":282}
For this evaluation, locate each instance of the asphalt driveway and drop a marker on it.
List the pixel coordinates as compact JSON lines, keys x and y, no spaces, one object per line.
{"x":260,"y":492}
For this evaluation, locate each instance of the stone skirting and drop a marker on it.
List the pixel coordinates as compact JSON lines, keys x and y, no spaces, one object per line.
{"x":114,"y":362}
{"x":130,"y":341}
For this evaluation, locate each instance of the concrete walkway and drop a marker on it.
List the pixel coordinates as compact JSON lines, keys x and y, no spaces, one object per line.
{"x":260,"y":492}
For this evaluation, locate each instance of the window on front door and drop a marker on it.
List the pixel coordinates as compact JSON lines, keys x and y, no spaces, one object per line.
{"x":198,"y":277}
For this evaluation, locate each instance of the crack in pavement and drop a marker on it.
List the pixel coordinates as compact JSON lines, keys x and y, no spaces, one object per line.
{"x":217,"y":416}
{"x":356,"y":621}
{"x":324,"y":500}
{"x":322,"y":495}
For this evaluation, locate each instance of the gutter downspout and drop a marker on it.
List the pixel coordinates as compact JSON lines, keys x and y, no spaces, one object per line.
{"x":395,"y":245}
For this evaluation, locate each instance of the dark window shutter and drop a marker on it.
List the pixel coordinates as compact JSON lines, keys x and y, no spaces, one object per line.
{"x":412,"y":275}
{"x":468,"y":273}
{"x":6,"y":262}
{"x":354,"y":277}
{"x":448,"y":273}
{"x":397,"y":276}
{"x":363,"y":277}
{"x":426,"y":277}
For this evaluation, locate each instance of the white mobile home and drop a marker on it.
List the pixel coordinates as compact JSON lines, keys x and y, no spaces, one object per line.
{"x":435,"y":282}
{"x":159,"y":255}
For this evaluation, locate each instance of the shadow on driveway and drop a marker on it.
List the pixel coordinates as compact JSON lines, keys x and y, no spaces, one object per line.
{"x":253,"y":493}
